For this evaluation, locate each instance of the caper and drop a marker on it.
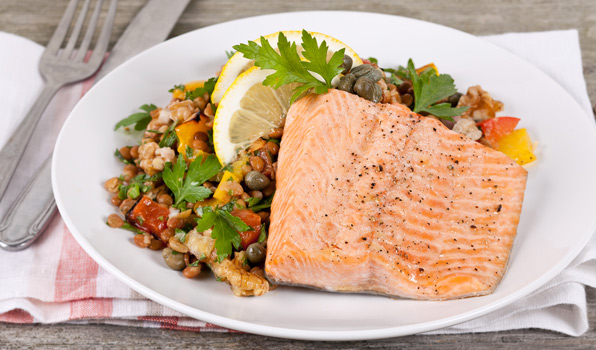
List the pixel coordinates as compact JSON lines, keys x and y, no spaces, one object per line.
{"x":374,"y":75}
{"x":367,"y":89}
{"x":256,"y":181}
{"x":346,"y":64}
{"x":255,"y":253}
{"x":454,"y":99}
{"x":362,"y":69}
{"x":346,"y":83}
{"x":173,"y":259}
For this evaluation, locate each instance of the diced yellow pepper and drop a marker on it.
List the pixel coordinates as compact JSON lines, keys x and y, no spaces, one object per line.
{"x":221,"y":193}
{"x":237,"y":166}
{"x":430,"y":65}
{"x":186,"y":132}
{"x":518,"y":146}
{"x":190,"y":86}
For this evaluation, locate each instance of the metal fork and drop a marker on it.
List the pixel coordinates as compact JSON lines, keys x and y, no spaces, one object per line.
{"x":59,"y":67}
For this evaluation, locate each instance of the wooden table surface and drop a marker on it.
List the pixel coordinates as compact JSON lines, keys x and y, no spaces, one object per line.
{"x":36,"y":19}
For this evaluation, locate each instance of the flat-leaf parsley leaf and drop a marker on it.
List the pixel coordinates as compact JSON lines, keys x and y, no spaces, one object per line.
{"x":189,"y":189}
{"x":430,"y":88}
{"x":288,"y":66}
{"x":140,"y":119}
{"x":225,"y":228}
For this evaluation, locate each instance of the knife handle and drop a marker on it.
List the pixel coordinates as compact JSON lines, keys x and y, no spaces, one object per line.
{"x":30,"y":212}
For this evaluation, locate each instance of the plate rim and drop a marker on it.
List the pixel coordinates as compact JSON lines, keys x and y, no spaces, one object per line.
{"x":304,"y":334}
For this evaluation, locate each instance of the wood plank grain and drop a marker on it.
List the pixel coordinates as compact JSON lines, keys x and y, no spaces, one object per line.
{"x":36,"y":20}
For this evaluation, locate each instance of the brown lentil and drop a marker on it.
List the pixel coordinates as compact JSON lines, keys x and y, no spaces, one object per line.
{"x":125,"y":152}
{"x":116,"y":201}
{"x":115,"y":221}
{"x":140,"y":241}
{"x":241,"y":203}
{"x":269,"y":189}
{"x":276,"y":133}
{"x":175,"y":222}
{"x":191,"y":271}
{"x":164,"y":198}
{"x":177,"y":245}
{"x":134,"y":152}
{"x":156,"y":244}
{"x":201,"y":136}
{"x":256,"y":194}
{"x":200,"y":145}
{"x":166,"y":234}
{"x":257,"y":163}
{"x":246,"y":169}
{"x":272,"y":148}
{"x":245,"y":196}
{"x":126,"y":205}
{"x":112,"y":185}
{"x":264,"y":215}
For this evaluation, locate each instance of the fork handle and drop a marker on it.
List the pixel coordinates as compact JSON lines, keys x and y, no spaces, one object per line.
{"x":14,"y":148}
{"x":33,"y":208}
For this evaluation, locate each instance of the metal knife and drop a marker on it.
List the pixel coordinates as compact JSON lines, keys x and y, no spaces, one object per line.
{"x":35,"y":205}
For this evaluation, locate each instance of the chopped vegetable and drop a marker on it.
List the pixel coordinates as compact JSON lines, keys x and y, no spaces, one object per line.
{"x":140,"y":119}
{"x":148,"y":216}
{"x":288,"y":66}
{"x":186,"y":132}
{"x":518,"y":146}
{"x":189,"y":188}
{"x":253,"y":220}
{"x":429,"y":89}
{"x":169,"y":139}
{"x":495,"y":128}
{"x":221,"y":192}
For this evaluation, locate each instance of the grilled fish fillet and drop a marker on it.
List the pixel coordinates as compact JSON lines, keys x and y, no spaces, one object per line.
{"x":373,"y":198}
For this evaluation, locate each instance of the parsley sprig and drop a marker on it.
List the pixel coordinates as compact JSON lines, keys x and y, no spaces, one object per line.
{"x":225,"y":229}
{"x":430,"y":88}
{"x":189,"y":188}
{"x":140,"y":119}
{"x":288,"y":66}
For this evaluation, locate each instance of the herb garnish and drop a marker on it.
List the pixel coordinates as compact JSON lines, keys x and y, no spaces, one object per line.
{"x":189,"y":189}
{"x":136,"y":186}
{"x":177,"y":87}
{"x":141,"y":119}
{"x":288,"y":66}
{"x":430,"y":88}
{"x":225,"y":229}
{"x":121,"y":157}
{"x":169,"y":138}
{"x":257,"y":205}
{"x":180,"y":235}
{"x":200,"y":91}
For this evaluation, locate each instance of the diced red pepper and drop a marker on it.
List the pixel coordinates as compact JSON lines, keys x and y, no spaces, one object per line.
{"x":495,"y":128}
{"x":148,"y":216}
{"x":251,"y":219}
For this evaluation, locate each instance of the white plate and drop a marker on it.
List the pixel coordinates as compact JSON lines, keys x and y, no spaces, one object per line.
{"x":558,"y":213}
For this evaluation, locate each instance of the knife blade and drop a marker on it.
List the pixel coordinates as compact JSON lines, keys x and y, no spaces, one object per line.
{"x":35,"y":205}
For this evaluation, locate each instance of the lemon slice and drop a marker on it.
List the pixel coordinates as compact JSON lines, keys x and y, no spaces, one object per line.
{"x":237,"y":64}
{"x":248,"y":111}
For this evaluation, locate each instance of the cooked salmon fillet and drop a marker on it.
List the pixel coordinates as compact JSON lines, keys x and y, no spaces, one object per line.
{"x":374,"y":198}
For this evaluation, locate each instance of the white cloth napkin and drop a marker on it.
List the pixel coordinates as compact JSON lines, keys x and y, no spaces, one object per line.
{"x":28,"y":279}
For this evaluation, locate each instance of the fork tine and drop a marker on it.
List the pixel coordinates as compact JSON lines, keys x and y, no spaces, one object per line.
{"x":104,"y":38}
{"x":62,"y":29}
{"x":82,"y":50}
{"x":74,"y":36}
